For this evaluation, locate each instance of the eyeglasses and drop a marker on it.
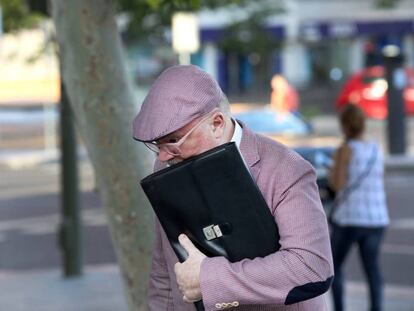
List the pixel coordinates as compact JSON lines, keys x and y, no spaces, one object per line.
{"x":174,"y":148}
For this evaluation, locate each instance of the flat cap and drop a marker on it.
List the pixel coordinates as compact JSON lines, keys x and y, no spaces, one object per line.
{"x":178,"y":96}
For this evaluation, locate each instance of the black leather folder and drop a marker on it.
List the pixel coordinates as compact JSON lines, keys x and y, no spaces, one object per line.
{"x":213,"y":199}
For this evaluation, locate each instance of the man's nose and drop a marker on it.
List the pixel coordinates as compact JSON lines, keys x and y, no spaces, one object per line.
{"x":164,"y":156}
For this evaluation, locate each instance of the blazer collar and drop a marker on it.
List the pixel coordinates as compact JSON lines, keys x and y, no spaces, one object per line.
{"x":249,"y":149}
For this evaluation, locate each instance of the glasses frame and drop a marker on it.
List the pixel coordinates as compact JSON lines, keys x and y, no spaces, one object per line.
{"x":171,"y":147}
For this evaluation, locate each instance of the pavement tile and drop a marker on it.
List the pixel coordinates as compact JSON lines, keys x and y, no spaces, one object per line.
{"x":99,"y":288}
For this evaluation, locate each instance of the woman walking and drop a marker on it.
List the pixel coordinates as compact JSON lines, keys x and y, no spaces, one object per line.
{"x":360,"y":215}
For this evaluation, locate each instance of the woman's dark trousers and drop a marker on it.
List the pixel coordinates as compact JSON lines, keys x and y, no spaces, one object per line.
{"x":368,"y":241}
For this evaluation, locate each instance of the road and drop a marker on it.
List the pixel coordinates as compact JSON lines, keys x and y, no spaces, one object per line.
{"x":29,"y":218}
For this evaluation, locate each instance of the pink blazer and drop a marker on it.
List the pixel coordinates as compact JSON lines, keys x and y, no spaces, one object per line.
{"x":294,"y":277}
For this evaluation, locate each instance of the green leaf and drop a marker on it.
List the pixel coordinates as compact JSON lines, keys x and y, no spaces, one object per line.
{"x":387,"y":4}
{"x":17,"y":15}
{"x":154,"y":4}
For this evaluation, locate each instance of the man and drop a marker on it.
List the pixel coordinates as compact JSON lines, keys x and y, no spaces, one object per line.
{"x":184,"y":114}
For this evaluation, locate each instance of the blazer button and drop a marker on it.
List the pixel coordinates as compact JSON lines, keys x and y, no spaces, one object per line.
{"x":235,"y":304}
{"x":218,"y":305}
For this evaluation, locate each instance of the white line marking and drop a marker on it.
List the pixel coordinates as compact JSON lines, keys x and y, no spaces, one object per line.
{"x":49,"y":223}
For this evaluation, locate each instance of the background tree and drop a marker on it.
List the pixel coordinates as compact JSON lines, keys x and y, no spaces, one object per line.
{"x":104,"y":106}
{"x":250,"y":39}
{"x":386,"y":4}
{"x":153,"y":17}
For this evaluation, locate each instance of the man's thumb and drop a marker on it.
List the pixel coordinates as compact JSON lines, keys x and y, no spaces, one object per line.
{"x":187,"y":244}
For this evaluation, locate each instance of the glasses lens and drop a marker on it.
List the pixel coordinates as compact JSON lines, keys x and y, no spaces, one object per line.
{"x":152,"y":147}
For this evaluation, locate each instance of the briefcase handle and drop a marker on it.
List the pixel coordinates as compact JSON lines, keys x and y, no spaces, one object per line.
{"x":199,"y":305}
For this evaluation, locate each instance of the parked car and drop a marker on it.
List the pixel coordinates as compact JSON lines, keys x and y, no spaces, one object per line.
{"x":367,"y":89}
{"x":321,"y":158}
{"x":265,"y":120}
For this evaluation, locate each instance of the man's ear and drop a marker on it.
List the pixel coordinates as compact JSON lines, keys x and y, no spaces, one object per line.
{"x":218,"y":125}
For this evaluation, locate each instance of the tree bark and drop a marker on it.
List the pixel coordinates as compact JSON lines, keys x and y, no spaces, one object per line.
{"x":103,"y":102}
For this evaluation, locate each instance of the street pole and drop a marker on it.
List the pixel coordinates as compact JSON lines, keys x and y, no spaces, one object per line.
{"x":184,"y":58}
{"x":396,"y":80}
{"x":1,"y":21}
{"x":49,"y":136}
{"x":70,"y":230}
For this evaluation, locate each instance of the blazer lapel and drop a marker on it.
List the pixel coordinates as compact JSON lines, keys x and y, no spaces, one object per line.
{"x":248,"y":148}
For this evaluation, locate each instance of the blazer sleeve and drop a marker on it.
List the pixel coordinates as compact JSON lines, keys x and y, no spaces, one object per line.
{"x":300,"y":270}
{"x":159,"y":290}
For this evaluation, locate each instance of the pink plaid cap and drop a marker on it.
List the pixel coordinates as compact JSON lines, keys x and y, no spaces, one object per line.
{"x":178,"y":96}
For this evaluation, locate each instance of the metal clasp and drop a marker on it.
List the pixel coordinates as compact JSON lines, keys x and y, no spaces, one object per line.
{"x":212,"y":232}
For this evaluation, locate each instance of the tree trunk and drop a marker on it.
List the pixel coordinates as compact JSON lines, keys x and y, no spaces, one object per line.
{"x":102,"y":99}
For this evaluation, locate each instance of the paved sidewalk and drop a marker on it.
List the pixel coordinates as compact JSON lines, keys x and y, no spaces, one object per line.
{"x":100,"y":289}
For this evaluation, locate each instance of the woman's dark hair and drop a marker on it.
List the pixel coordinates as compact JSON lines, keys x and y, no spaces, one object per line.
{"x":352,"y":120}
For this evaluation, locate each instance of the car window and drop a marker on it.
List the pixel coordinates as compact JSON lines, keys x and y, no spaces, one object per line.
{"x":318,"y":157}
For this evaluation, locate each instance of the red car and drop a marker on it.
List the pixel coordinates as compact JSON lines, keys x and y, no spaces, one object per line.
{"x":367,"y":89}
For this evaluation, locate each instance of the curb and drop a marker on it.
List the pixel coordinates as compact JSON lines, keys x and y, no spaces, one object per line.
{"x":30,"y":158}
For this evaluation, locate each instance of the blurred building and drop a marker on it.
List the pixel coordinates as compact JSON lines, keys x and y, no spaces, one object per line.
{"x":29,"y":69}
{"x":319,"y":41}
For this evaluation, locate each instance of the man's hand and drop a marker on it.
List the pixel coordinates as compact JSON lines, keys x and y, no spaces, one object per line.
{"x":188,"y":272}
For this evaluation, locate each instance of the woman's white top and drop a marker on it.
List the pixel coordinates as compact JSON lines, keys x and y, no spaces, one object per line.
{"x":364,"y":204}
